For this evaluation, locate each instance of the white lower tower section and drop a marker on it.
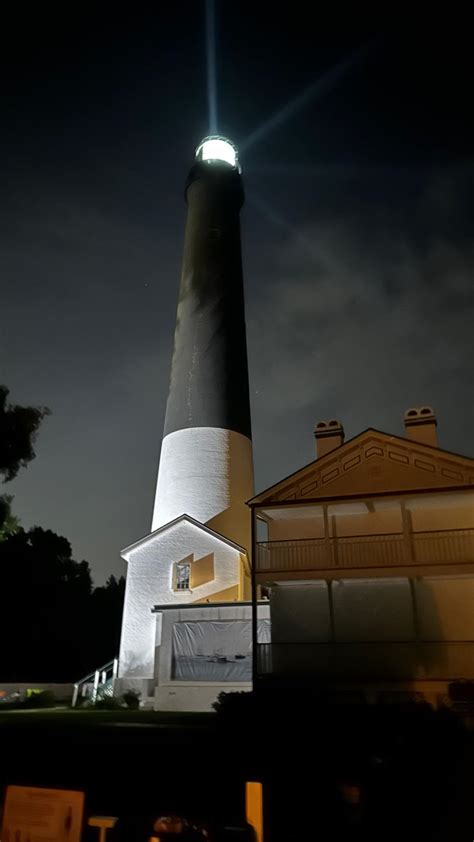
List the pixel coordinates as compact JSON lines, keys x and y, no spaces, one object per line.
{"x":207,"y":473}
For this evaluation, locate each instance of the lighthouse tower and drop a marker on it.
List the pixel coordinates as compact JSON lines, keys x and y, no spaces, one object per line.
{"x":197,"y":551}
{"x":206,"y":468}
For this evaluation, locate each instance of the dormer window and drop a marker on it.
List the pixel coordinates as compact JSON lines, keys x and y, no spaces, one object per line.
{"x":182,"y":576}
{"x":191,"y":572}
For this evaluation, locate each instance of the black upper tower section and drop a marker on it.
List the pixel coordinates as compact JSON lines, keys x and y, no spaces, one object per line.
{"x":209,"y":373}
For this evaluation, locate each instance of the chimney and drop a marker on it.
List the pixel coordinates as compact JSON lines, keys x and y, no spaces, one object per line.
{"x":328,"y":435}
{"x":420,"y":425}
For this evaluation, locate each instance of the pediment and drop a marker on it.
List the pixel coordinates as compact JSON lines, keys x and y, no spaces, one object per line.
{"x":207,"y":536}
{"x":372,"y":463}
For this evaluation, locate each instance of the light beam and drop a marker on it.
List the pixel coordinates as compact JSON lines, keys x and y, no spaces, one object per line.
{"x":333,"y":171}
{"x":280,"y":222}
{"x":321,"y":86}
{"x":211,"y":65}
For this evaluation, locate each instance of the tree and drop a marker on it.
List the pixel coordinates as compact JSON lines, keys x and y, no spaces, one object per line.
{"x":55,"y":626}
{"x":45,"y":608}
{"x":106,"y":619}
{"x":18,"y":428}
{"x":9,"y":524}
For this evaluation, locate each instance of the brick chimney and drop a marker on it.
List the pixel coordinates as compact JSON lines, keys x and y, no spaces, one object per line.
{"x":328,"y":435}
{"x":420,"y":425}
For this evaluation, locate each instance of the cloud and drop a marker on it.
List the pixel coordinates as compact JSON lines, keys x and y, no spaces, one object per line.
{"x":362,"y":328}
{"x":87,"y":330}
{"x":351,"y":318}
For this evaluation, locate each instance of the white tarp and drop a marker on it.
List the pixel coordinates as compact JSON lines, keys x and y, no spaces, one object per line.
{"x":215,"y":650}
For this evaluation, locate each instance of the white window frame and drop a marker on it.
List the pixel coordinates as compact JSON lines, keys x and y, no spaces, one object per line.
{"x":177,"y":587}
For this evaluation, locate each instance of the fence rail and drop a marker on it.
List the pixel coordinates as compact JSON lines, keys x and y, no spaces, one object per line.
{"x":447,"y":546}
{"x":96,"y":685}
{"x":441,"y":660}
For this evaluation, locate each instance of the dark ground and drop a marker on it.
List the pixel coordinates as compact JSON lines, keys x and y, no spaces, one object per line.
{"x":123,"y":761}
{"x":412,"y":768}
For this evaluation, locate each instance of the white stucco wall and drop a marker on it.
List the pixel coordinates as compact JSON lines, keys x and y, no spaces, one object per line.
{"x":206,"y":472}
{"x":149,"y":583}
{"x":194,"y":696}
{"x":373,"y":609}
{"x":363,"y":610}
{"x":300,"y":613}
{"x":446,"y":607}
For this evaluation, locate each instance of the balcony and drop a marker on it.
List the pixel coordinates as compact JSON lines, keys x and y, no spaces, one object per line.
{"x":423,"y":660}
{"x":366,"y":552}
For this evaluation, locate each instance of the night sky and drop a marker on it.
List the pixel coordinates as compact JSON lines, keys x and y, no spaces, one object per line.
{"x":357,"y":240}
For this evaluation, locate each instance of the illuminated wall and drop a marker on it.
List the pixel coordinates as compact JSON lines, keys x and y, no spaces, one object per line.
{"x":446,"y":607}
{"x":374,"y":610}
{"x":150,"y":578}
{"x":207,"y":473}
{"x":206,"y":469}
{"x":426,"y":513}
{"x":171,"y":694}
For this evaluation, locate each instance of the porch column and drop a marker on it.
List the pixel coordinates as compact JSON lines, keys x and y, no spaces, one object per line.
{"x":332,"y":623}
{"x":254,"y":600}
{"x":330,"y":560}
{"x":407,"y":532}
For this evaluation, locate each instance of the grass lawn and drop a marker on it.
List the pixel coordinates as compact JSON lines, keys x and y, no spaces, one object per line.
{"x":71,"y":717}
{"x":126,"y":761}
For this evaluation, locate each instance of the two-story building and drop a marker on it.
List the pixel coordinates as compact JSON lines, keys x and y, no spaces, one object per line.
{"x":366,"y":558}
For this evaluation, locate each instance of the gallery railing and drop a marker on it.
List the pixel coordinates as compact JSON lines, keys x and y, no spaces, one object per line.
{"x":96,"y":685}
{"x":366,"y":551}
{"x":441,"y":660}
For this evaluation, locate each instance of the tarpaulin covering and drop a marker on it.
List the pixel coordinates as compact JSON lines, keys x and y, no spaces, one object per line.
{"x":215,"y":650}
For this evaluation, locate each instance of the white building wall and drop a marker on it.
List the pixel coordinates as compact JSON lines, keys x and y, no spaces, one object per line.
{"x":300,"y":613}
{"x":150,"y":580}
{"x":186,"y":695}
{"x":446,"y":607}
{"x":206,"y":472}
{"x":373,"y":609}
{"x":193,"y":697}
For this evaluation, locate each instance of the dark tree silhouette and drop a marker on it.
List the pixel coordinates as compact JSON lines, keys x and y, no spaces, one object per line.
{"x":9,"y":524}
{"x":44,"y":602}
{"x":18,"y":428}
{"x":106,"y":619}
{"x":55,"y":626}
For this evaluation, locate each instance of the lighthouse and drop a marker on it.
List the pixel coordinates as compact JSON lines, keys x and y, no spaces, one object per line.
{"x":206,"y":468}
{"x":197,"y":553}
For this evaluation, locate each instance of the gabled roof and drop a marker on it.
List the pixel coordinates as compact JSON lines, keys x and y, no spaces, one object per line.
{"x":125,"y":553}
{"x":372,"y":462}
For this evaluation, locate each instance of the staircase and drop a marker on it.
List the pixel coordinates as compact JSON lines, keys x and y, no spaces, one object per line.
{"x":97,"y":685}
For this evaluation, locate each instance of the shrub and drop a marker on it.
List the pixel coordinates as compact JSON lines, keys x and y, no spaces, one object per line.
{"x":35,"y":699}
{"x":131,"y":699}
{"x":229,"y":701}
{"x":40,"y":699}
{"x":108,"y":703}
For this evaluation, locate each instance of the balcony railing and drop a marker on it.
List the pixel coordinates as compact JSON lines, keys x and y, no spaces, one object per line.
{"x":408,"y":660}
{"x":448,"y":546}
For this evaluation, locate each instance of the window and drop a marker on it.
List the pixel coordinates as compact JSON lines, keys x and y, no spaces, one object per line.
{"x":182,"y":575}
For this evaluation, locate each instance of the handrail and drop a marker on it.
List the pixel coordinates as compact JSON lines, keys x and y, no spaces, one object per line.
{"x":107,"y":666}
{"x":323,"y":538}
{"x":331,"y":538}
{"x":368,"y":551}
{"x":97,"y":680}
{"x":438,"y":660}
